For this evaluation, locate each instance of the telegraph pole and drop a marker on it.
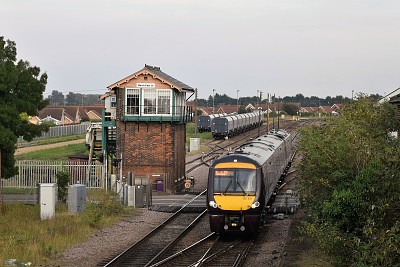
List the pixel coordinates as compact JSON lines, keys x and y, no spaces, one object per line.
{"x":237,"y":101}
{"x":213,"y":99}
{"x":259,"y":115}
{"x":268,"y":112}
{"x":195,"y":112}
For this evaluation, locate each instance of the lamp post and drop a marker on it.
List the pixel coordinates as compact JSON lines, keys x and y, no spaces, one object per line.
{"x":237,"y":101}
{"x":213,"y":99}
{"x":257,"y":99}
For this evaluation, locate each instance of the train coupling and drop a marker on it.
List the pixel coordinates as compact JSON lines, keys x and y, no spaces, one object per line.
{"x":234,"y":222}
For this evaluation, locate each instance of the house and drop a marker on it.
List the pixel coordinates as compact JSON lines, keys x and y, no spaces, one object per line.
{"x":110,"y":104}
{"x":309,"y":110}
{"x":395,"y":100}
{"x":326,"y":110}
{"x":64,"y":115}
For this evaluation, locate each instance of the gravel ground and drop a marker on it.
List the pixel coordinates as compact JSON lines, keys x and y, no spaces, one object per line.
{"x":111,"y":241}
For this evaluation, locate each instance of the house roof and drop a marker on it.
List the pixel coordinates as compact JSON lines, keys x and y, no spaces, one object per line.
{"x":54,"y":112}
{"x":390,"y":96}
{"x":227,"y":109}
{"x":206,"y":110}
{"x":107,"y":94}
{"x":72,"y":113}
{"x":307,"y":109}
{"x":157,"y":74}
{"x":328,"y":109}
{"x":395,"y":99}
{"x":336,"y":106}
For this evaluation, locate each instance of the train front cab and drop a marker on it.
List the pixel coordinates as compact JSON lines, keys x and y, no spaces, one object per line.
{"x":233,"y":201}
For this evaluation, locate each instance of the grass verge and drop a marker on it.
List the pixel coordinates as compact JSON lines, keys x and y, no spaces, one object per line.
{"x":16,"y":191}
{"x":191,"y":133}
{"x":24,"y":237}
{"x":57,"y":153}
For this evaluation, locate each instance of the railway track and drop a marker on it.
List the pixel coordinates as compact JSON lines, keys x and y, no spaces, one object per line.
{"x":212,"y":250}
{"x":155,"y":244}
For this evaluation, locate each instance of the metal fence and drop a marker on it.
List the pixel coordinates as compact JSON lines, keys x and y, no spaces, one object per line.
{"x":58,"y":131}
{"x":33,"y":172}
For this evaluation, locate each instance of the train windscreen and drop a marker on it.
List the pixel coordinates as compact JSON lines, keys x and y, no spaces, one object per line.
{"x":235,"y":181}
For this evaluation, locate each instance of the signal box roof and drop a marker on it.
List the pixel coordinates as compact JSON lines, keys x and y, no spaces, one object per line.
{"x":156,"y":73}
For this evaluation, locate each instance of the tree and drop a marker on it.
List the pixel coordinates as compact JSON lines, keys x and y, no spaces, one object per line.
{"x":21,"y":91}
{"x":72,"y":99}
{"x":56,"y":98}
{"x":290,"y":109}
{"x":350,"y":182}
{"x":63,"y":179}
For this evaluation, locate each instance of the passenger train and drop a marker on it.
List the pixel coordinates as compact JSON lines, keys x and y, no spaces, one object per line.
{"x":231,"y":125}
{"x":242,"y":184}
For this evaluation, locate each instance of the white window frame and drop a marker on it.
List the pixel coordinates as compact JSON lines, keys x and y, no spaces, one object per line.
{"x":137,"y":90}
{"x":149,"y":97}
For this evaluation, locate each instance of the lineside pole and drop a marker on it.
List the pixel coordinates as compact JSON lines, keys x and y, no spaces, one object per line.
{"x":195,"y":112}
{"x":267,"y":112}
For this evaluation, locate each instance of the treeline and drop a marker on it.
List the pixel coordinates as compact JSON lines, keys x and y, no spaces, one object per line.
{"x":76,"y":99}
{"x":73,"y":99}
{"x":312,"y":101}
{"x":350,"y":185}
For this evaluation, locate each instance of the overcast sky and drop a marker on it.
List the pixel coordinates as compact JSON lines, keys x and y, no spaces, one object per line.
{"x":282,"y":47}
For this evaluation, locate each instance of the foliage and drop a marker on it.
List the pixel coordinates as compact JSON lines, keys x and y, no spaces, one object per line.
{"x":290,"y":109}
{"x":41,"y":241}
{"x":191,"y":132}
{"x":349,"y":180}
{"x":62,"y":183}
{"x":73,"y":99}
{"x":21,"y":92}
{"x":101,"y":206}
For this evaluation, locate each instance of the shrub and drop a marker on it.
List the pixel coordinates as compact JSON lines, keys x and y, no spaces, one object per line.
{"x":62,"y":182}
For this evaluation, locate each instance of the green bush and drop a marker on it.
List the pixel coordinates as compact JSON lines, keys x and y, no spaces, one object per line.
{"x":63,"y":179}
{"x":350,"y":182}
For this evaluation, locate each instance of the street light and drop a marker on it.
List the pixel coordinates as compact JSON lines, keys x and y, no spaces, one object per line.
{"x":237,"y":101}
{"x":213,"y":99}
{"x":257,"y":99}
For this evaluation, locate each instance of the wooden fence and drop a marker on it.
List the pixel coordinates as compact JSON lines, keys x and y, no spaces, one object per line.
{"x":33,"y":172}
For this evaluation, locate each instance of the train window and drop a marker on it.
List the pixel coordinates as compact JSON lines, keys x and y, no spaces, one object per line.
{"x":241,"y":181}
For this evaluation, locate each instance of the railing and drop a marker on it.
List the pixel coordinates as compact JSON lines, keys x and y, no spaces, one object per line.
{"x":33,"y":172}
{"x":58,"y":131}
{"x":174,"y":113}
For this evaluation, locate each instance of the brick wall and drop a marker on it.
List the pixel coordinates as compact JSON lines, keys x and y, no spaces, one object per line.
{"x":152,"y":148}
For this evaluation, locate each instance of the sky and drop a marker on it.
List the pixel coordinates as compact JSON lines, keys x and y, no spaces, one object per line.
{"x":279,"y":47}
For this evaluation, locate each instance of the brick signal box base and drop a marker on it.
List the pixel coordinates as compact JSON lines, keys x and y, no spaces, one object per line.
{"x":154,"y":150}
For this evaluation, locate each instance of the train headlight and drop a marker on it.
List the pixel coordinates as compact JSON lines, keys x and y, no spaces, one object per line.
{"x":213,"y":204}
{"x":255,"y":205}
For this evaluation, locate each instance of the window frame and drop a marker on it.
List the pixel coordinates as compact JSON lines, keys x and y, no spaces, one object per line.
{"x":150,"y":100}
